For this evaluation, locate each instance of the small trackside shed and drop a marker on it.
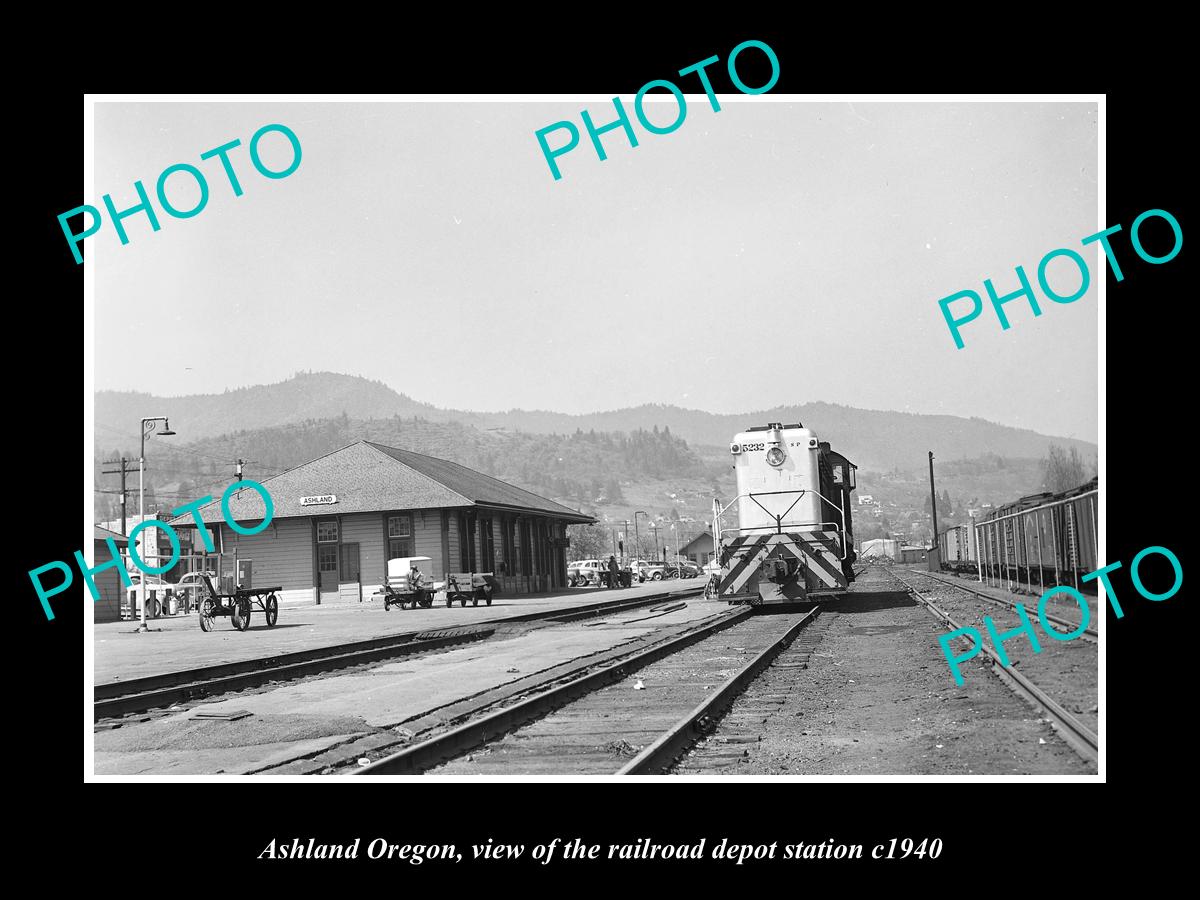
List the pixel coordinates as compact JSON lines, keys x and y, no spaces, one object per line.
{"x":339,"y":518}
{"x":108,"y":581}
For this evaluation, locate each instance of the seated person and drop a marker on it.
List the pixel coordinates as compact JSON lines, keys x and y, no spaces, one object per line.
{"x":416,"y":579}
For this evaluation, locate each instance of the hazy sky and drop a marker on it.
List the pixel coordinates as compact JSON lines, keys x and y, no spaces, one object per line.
{"x":765,"y":254}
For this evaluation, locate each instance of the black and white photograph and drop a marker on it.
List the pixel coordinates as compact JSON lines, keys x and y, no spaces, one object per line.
{"x":701,"y":436}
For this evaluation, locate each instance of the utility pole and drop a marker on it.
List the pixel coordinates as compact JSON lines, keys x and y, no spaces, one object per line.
{"x":149,"y":426}
{"x":123,"y":471}
{"x":933,"y":501}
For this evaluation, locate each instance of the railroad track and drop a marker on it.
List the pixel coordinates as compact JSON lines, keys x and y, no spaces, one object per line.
{"x":114,"y":700}
{"x":741,"y":729}
{"x":1089,"y":634}
{"x":1078,"y":736}
{"x":602,"y":722}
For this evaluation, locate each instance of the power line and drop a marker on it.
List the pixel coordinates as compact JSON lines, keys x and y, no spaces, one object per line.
{"x":169,"y":447}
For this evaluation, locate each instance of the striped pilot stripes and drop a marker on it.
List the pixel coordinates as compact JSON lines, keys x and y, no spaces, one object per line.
{"x":817,"y":553}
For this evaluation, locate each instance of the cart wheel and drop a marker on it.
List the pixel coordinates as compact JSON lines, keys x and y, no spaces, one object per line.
{"x":487,"y":595}
{"x":449,"y":601}
{"x":206,"y":614}
{"x":475,"y":600}
{"x":272,"y":611}
{"x":462,"y":600}
{"x":241,"y":614}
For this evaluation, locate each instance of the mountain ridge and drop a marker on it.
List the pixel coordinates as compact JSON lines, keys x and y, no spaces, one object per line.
{"x":881,"y":439}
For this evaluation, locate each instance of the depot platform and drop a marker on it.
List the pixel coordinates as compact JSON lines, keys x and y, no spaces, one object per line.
{"x":176,"y":643}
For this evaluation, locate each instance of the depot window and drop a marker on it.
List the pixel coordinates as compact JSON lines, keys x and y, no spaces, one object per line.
{"x":400,"y":541}
{"x":327,"y":532}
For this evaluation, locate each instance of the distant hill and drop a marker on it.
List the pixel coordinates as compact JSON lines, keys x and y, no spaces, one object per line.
{"x":581,"y":470}
{"x":304,"y":397}
{"x":871,"y":438}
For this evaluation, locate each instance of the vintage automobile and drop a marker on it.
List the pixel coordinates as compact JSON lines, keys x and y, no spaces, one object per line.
{"x":583,"y":572}
{"x":157,"y":592}
{"x":647,"y":571}
{"x":191,"y":589}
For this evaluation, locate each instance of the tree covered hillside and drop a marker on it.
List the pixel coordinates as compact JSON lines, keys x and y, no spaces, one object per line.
{"x":577,"y":469}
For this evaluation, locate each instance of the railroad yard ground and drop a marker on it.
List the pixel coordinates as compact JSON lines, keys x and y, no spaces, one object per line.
{"x":862,"y":690}
{"x":877,"y":698}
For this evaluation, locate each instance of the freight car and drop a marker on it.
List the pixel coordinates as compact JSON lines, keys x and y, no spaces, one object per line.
{"x":958,"y":550}
{"x":787,"y":537}
{"x":1036,"y":542}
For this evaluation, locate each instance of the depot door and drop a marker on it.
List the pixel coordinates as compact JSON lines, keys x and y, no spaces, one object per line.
{"x":327,"y":570}
{"x":349,"y":585}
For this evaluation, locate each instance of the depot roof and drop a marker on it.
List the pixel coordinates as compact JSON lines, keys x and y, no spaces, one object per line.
{"x":100,"y":534}
{"x":369,"y":477}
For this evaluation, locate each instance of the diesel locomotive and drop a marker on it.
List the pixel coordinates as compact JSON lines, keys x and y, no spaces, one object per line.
{"x":787,"y":537}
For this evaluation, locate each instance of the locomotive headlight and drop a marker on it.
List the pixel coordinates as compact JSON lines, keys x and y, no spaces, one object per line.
{"x":775,"y":456}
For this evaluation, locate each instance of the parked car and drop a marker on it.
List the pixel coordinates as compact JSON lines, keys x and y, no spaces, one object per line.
{"x":689,"y":570}
{"x":583,"y":572}
{"x":157,"y":593}
{"x":190,"y":589}
{"x":647,"y":571}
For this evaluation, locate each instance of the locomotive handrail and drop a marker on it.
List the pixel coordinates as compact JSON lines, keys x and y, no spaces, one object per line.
{"x":718,"y":511}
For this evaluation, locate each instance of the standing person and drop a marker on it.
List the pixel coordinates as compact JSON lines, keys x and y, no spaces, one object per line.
{"x":613,"y":571}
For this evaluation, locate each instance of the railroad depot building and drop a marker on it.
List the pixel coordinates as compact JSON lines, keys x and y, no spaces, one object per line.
{"x":339,"y":519}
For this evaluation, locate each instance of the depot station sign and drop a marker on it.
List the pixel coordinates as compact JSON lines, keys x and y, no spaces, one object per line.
{"x":321,"y":500}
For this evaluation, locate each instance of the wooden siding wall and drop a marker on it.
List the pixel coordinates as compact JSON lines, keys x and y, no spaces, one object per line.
{"x":427,"y":538}
{"x":108,"y":582}
{"x":451,"y":562}
{"x":498,"y":541}
{"x":282,"y":555}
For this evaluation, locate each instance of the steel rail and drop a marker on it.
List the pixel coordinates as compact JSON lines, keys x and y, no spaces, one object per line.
{"x":662,"y":754}
{"x":1078,"y":736}
{"x":120,"y":698}
{"x":429,"y":753}
{"x":1088,"y":634}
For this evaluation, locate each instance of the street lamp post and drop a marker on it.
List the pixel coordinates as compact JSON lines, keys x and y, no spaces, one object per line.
{"x":149,"y":426}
